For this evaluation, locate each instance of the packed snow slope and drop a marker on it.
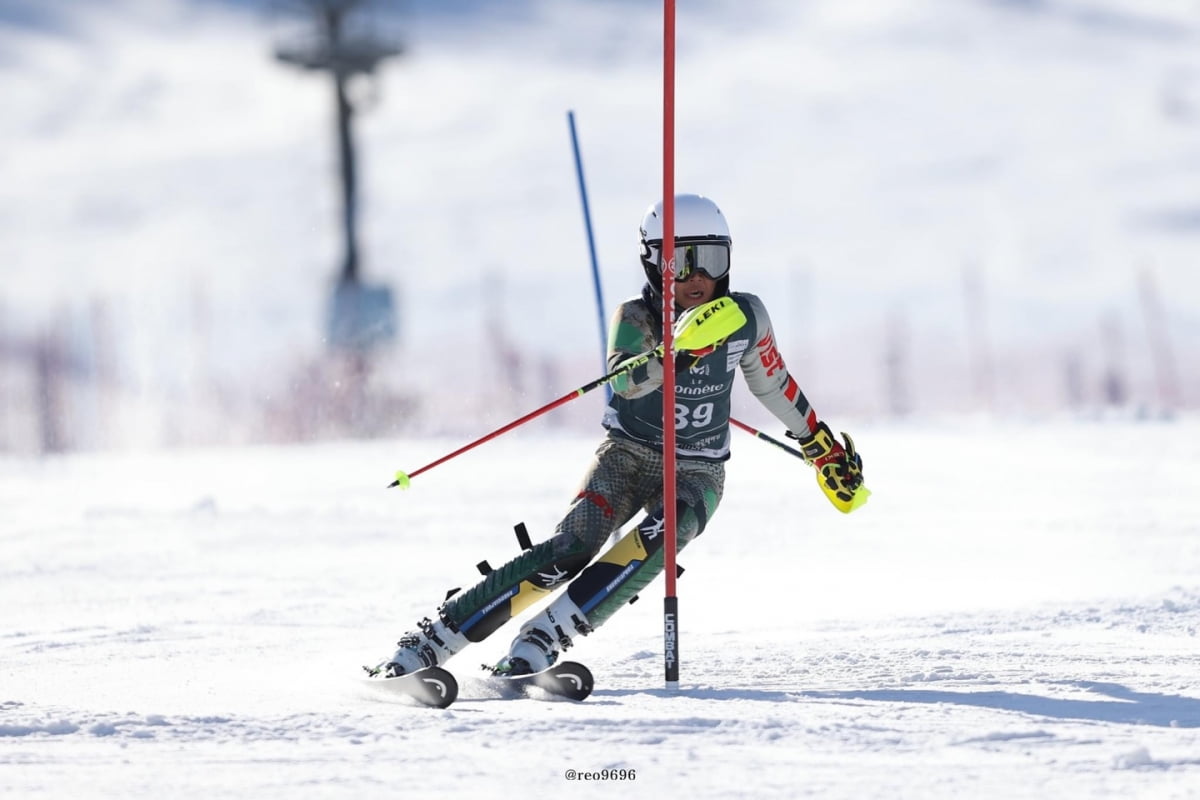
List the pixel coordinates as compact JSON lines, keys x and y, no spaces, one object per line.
{"x":1013,"y":614}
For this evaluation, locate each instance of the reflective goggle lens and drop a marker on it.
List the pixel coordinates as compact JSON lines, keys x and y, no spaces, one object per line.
{"x":711,"y":259}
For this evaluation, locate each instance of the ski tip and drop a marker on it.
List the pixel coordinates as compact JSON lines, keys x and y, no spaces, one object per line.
{"x":566,"y":680}
{"x":575,"y":680}
{"x":442,"y":689}
{"x":432,"y":687}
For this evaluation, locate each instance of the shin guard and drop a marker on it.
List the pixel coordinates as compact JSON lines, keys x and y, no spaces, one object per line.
{"x":620,"y":572}
{"x":509,"y":590}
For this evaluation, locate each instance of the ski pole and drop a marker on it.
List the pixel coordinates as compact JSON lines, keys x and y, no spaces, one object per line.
{"x":698,"y":328}
{"x":402,"y":478}
{"x":768,"y":439}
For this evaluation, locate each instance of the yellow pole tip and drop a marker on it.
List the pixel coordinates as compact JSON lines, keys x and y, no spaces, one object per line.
{"x":860,"y":497}
{"x":401,"y":479}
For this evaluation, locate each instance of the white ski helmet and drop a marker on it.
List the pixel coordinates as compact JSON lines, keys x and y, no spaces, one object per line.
{"x":702,"y":242}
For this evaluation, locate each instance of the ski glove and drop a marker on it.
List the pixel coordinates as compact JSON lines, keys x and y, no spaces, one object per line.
{"x":839,"y":468}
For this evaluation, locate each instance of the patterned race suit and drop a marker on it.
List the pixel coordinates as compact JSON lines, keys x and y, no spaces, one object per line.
{"x":625,"y":475}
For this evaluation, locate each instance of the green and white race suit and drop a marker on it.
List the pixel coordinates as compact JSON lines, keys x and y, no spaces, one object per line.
{"x":704,"y":386}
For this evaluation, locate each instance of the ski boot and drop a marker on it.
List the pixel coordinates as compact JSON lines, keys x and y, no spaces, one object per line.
{"x":432,"y":644}
{"x":542,"y":639}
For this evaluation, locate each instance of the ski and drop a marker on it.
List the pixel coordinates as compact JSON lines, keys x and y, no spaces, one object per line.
{"x":569,"y":680}
{"x":431,"y":686}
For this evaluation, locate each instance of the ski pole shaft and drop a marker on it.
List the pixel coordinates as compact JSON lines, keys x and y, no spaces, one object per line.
{"x":626,"y":367}
{"x":402,"y":477}
{"x":769,"y":439}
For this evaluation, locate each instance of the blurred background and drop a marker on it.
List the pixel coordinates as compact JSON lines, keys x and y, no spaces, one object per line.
{"x":239,"y":221}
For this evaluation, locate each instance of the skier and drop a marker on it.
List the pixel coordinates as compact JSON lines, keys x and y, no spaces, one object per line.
{"x":626,"y":472}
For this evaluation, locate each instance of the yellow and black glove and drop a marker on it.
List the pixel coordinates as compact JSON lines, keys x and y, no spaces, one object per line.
{"x":839,"y":467}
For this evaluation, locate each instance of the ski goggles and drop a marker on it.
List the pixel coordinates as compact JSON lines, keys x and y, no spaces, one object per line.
{"x":710,"y":258}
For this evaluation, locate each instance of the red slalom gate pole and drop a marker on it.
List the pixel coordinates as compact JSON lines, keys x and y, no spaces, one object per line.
{"x":667,"y":260}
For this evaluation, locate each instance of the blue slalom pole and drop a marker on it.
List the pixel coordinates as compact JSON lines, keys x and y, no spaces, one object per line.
{"x":587,"y":224}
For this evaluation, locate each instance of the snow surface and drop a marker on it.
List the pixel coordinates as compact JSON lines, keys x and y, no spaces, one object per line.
{"x":1014,"y":614}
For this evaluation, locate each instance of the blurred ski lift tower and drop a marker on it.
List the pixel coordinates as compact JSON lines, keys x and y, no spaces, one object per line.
{"x":345,"y":39}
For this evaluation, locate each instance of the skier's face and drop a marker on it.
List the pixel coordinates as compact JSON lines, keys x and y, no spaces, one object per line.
{"x":697,"y":288}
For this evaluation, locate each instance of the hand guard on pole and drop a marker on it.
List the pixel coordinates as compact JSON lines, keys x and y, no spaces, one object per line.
{"x":698,"y":331}
{"x":705,"y":327}
{"x":838,"y":466}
